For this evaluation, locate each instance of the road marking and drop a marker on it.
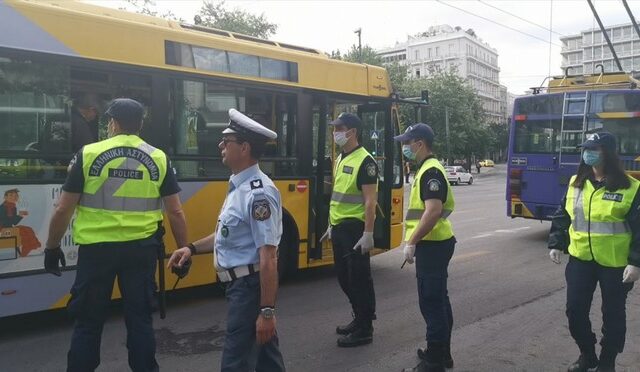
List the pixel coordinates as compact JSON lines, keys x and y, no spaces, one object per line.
{"x":469,"y":255}
{"x":502,"y":231}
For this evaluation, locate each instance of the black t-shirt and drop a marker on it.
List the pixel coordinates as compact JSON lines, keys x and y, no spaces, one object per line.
{"x":368,"y":173}
{"x":433,"y":185}
{"x":75,"y":178}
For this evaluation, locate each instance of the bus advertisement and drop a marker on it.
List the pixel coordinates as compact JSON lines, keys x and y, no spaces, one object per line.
{"x":545,"y":131}
{"x":57,"y":56}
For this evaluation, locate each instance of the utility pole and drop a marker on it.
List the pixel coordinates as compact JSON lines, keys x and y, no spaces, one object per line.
{"x":359,"y":32}
{"x":446,"y":126}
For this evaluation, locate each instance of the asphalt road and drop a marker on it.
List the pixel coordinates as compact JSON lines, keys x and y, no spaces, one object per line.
{"x":507,"y":296}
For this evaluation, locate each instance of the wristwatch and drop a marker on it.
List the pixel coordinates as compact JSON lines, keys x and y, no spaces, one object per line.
{"x":268,"y":312}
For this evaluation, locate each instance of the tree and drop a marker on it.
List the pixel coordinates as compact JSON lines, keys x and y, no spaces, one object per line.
{"x":146,"y":7}
{"x":368,"y":55}
{"x":448,"y":92}
{"x":213,"y":14}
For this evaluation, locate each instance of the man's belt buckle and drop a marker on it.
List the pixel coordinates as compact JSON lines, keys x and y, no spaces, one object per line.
{"x":236,"y":272}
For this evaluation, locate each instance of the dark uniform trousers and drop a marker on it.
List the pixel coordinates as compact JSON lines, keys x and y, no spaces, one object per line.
{"x":134,"y":264}
{"x":432,"y":264}
{"x":582,"y":277}
{"x":354,"y":269}
{"x":241,"y":351}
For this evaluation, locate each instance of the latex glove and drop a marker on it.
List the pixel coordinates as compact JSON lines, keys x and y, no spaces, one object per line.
{"x":409,"y":251}
{"x":554,"y":255}
{"x":327,"y":235}
{"x":365,"y":244}
{"x":631,"y":274}
{"x":53,"y":257}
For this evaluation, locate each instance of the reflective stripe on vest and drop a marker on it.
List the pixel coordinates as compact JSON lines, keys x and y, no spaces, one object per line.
{"x":443,"y":229}
{"x":599,"y":230}
{"x":121,"y":196}
{"x":347,"y":201}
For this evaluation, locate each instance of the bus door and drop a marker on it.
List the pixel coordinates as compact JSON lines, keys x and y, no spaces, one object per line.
{"x":377,"y":138}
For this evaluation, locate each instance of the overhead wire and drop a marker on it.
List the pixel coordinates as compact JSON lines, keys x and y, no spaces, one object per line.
{"x":497,"y":23}
{"x":520,"y":18}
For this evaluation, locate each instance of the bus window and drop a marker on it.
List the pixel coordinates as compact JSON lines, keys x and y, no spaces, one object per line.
{"x":537,"y":136}
{"x":34,"y":119}
{"x":615,"y":102}
{"x":626,"y":131}
{"x":201,"y":114}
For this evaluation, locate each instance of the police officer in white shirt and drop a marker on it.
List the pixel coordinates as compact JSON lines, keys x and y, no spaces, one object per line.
{"x":246,"y":239}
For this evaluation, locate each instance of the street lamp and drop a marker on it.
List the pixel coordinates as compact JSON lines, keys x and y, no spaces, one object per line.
{"x":359,"y":32}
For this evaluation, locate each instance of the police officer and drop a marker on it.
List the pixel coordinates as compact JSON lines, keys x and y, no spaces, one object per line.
{"x":599,"y":223}
{"x":245,"y":241}
{"x":352,"y":214}
{"x":118,"y":188}
{"x":429,"y":237}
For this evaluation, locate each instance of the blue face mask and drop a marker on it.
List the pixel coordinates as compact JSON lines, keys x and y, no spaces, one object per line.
{"x":406,"y":151}
{"x":591,"y":157}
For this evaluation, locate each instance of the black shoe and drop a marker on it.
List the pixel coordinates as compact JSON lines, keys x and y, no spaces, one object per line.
{"x":607,"y":361}
{"x":346,"y":329}
{"x":448,"y":360}
{"x":584,"y":363}
{"x":361,"y":336}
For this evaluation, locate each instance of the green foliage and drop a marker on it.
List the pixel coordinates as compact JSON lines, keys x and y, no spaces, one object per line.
{"x":368,"y":55}
{"x":213,"y":14}
{"x":146,"y":7}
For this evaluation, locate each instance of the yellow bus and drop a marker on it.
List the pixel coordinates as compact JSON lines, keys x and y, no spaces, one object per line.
{"x":61,"y":61}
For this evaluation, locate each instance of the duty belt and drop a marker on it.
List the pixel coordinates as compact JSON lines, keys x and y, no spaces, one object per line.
{"x":228,"y":275}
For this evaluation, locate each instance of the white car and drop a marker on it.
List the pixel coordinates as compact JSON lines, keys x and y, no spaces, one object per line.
{"x":456,"y":175}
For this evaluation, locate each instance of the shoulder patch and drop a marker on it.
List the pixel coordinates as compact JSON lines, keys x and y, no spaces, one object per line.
{"x":372,"y":171}
{"x":260,"y":210}
{"x":256,"y":184}
{"x":434,"y":185}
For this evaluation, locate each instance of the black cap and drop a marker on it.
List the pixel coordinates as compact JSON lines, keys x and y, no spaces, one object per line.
{"x":125,"y":109}
{"x":349,"y":120}
{"x":603,"y":139}
{"x":419,"y":131}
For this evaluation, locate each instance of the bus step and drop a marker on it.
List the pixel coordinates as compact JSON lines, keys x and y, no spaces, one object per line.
{"x":573,"y":115}
{"x":563,"y":163}
{"x":569,"y":147}
{"x":572,"y":131}
{"x":576,"y":99}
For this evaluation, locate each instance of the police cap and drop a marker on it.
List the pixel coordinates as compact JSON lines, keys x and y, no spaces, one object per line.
{"x":604,"y":139}
{"x":126,"y":110}
{"x":419,"y":131}
{"x":243,"y":125}
{"x":349,"y":120}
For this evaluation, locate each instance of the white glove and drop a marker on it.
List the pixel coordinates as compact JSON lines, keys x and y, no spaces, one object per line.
{"x":631,"y":274}
{"x":409,"y":251}
{"x":365,"y":243}
{"x":327,"y":235}
{"x":554,"y":255}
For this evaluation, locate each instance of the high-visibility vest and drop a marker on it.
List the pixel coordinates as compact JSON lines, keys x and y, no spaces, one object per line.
{"x":443,"y":229}
{"x":347,"y":202}
{"x":598,"y":228}
{"x":121,"y":196}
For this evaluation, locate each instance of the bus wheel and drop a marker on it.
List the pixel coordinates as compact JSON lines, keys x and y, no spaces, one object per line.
{"x":470,"y":180}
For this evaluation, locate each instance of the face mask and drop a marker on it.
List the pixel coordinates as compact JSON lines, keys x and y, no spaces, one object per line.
{"x":408,"y":153}
{"x":591,"y":157}
{"x":340,"y":138}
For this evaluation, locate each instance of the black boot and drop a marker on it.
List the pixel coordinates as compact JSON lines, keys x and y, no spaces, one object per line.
{"x":362,"y":335}
{"x":448,"y":359}
{"x":607,"y":361}
{"x":586,"y":362}
{"x":346,"y":329}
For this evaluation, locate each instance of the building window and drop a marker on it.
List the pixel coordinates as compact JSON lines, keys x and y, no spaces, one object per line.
{"x":416,"y":54}
{"x":429,"y":53}
{"x":437,"y":51}
{"x":417,"y":73}
{"x":597,"y":37}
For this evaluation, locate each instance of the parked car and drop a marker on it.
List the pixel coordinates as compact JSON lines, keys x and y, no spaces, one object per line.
{"x":456,"y":175}
{"x":487,"y":163}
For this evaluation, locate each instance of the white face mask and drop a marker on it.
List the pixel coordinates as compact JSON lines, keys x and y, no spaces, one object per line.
{"x":340,"y":138}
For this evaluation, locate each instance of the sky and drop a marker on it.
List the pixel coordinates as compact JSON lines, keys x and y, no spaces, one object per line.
{"x":524,"y":60}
